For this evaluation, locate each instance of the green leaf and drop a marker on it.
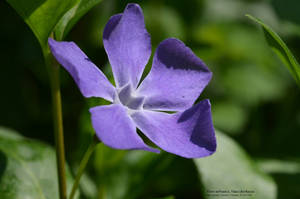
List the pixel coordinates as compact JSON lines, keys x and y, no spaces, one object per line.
{"x":72,"y":16}
{"x":43,"y":16}
{"x":280,"y":48}
{"x":27,"y":168}
{"x":231,"y":169}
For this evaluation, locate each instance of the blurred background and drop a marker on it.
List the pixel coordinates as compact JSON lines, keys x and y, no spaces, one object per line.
{"x":255,"y":101}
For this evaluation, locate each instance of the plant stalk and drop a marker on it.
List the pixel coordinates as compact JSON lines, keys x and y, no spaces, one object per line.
{"x":53,"y":70}
{"x":83,"y":164}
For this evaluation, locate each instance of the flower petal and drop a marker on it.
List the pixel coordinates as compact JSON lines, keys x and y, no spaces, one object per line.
{"x":188,"y":134}
{"x":176,"y":79}
{"x":90,"y":80}
{"x":116,"y":129}
{"x":128,"y":45}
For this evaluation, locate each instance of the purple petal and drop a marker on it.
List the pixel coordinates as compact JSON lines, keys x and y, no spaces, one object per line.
{"x":128,"y":45}
{"x":90,"y":80}
{"x":176,"y":79}
{"x":116,"y":129}
{"x":188,"y":134}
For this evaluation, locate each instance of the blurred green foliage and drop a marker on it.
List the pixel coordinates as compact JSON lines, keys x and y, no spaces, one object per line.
{"x":254,"y":99}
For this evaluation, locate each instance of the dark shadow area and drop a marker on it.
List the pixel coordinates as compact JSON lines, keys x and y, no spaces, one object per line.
{"x":287,"y":9}
{"x":165,"y":179}
{"x":288,"y":185}
{"x":26,"y":7}
{"x":274,"y":135}
{"x":3,"y":164}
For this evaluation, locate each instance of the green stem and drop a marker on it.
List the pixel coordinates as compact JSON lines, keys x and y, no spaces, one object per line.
{"x":53,"y":70}
{"x":83,"y":164}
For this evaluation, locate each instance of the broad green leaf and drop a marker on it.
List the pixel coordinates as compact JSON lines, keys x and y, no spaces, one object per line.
{"x":280,"y":48}
{"x":43,"y":16}
{"x":72,"y":16}
{"x":168,"y":197}
{"x":27,"y":168}
{"x":231,"y":169}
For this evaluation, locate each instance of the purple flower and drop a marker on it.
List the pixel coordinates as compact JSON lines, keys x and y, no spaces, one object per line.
{"x":175,"y":81}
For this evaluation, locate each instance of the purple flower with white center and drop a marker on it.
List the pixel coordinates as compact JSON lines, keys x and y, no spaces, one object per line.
{"x":176,"y":79}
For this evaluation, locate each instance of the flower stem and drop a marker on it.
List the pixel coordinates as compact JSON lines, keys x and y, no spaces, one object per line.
{"x":53,"y":70}
{"x":83,"y":164}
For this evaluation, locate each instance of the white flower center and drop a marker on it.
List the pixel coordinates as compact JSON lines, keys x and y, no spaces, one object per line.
{"x":127,"y":97}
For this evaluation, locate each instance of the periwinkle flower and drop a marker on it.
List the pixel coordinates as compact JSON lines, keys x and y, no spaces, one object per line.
{"x":176,"y":79}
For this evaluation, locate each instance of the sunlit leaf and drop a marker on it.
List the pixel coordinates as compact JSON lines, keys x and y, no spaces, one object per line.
{"x":27,"y":168}
{"x":43,"y":16}
{"x":72,"y":16}
{"x":280,"y":48}
{"x":231,"y":169}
